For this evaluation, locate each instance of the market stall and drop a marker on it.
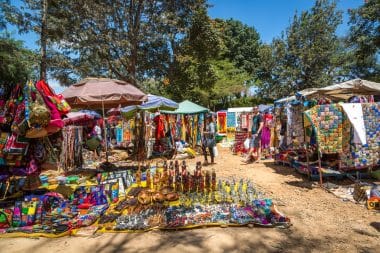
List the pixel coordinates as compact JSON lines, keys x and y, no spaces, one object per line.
{"x":103,"y":93}
{"x":153,"y":132}
{"x":327,"y":143}
{"x":187,"y":122}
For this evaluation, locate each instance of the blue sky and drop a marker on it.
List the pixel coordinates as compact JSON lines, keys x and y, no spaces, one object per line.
{"x":271,"y":17}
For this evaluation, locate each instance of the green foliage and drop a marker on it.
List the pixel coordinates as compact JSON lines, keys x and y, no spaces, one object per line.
{"x":306,"y":55}
{"x":231,"y":83}
{"x":211,"y":68}
{"x":128,"y":40}
{"x":17,"y":63}
{"x":364,"y":40}
{"x":192,"y":75}
{"x":241,"y":44}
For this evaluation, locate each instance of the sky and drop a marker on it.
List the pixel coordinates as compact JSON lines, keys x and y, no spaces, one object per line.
{"x":271,"y":17}
{"x":268,"y":17}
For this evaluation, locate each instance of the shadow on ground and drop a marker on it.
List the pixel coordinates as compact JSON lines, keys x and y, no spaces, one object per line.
{"x":237,"y":239}
{"x":300,"y":181}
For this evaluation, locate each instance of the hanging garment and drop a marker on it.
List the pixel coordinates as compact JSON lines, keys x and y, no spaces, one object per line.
{"x":354,"y":112}
{"x":183,"y":128}
{"x":160,"y":127}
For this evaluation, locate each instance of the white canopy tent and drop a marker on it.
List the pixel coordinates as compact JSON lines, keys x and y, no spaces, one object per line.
{"x":340,"y":91}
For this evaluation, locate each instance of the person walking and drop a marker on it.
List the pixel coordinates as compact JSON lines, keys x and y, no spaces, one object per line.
{"x":256,"y":130}
{"x":208,"y":141}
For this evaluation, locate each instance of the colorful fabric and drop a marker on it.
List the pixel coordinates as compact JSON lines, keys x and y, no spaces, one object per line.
{"x":222,"y":122}
{"x":331,"y":127}
{"x":231,"y":119}
{"x":295,"y":131}
{"x":361,"y":156}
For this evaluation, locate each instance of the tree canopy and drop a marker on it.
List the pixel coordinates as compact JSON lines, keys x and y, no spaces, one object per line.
{"x":17,"y":63}
{"x":174,"y":48}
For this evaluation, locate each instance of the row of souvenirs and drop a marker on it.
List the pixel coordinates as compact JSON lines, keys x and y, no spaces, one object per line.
{"x":148,"y":198}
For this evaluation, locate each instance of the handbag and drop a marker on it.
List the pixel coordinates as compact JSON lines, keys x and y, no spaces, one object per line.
{"x":57,"y":99}
{"x":215,"y":151}
{"x":16,"y":145}
{"x":39,"y":115}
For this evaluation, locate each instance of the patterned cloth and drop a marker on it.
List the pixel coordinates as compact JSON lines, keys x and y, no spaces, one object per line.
{"x":332,"y":127}
{"x":368,"y":154}
{"x":294,"y":124}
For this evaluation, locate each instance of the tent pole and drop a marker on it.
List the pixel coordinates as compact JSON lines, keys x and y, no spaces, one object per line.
{"x":320,"y":168}
{"x":105,"y":130}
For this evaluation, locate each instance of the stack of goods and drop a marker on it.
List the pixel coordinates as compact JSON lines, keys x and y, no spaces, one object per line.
{"x":175,"y":198}
{"x":240,"y":137}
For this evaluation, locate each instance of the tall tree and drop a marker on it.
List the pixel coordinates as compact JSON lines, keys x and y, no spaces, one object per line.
{"x":231,"y":83}
{"x":364,"y":40}
{"x":194,"y":76}
{"x":17,"y":63}
{"x":241,"y":44}
{"x":306,"y":55}
{"x":127,"y":39}
{"x":32,"y":16}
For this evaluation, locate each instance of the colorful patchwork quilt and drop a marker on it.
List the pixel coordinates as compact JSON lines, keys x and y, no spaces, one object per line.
{"x":332,"y":128}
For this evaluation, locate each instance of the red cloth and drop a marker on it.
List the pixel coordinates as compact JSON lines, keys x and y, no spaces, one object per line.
{"x":160,"y":127}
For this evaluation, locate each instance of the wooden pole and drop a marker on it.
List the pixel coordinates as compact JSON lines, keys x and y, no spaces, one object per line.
{"x":320,"y":167}
{"x":105,"y":129}
{"x":43,"y":39}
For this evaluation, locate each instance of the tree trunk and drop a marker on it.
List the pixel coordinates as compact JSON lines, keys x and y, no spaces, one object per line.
{"x":43,"y":39}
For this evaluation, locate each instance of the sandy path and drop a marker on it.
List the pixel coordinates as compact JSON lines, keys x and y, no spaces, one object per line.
{"x":321,"y":223}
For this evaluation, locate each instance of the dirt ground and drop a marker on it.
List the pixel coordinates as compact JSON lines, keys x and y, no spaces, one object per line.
{"x":321,"y":222}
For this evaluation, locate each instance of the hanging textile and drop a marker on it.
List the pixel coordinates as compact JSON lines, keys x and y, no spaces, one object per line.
{"x":222,"y":122}
{"x":332,"y":127}
{"x":231,"y":119}
{"x":354,"y":113}
{"x":369,"y":154}
{"x":183,"y":128}
{"x":200,"y":125}
{"x":71,"y":154}
{"x":160,"y":127}
{"x":119,"y":135}
{"x":295,"y":130}
{"x":244,"y":120}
